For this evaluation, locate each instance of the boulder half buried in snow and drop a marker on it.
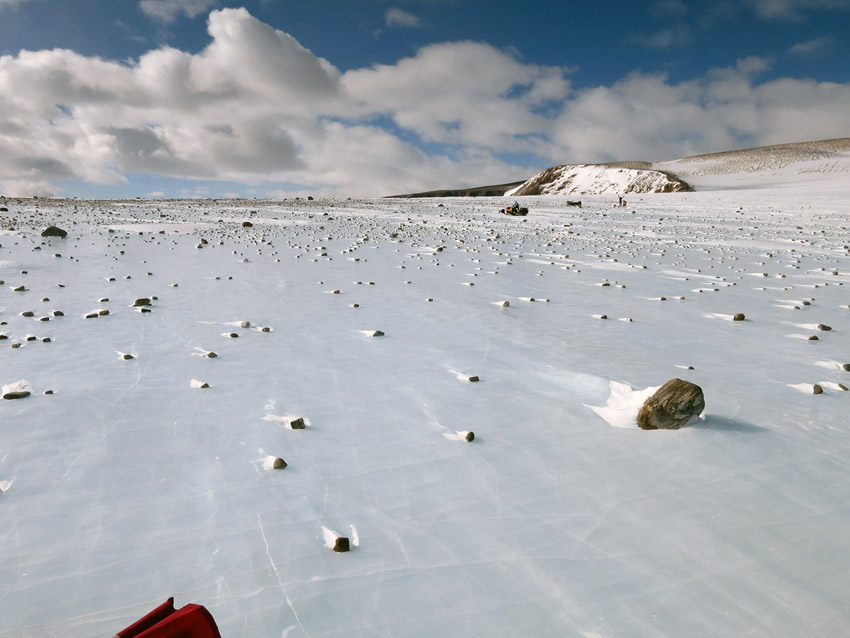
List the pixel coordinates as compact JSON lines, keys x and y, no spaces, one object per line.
{"x":54,"y":231}
{"x":672,"y":405}
{"x":18,"y":390}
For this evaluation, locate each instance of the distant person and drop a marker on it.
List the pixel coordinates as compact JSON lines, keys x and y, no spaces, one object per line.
{"x":516,"y":205}
{"x":621,"y":199}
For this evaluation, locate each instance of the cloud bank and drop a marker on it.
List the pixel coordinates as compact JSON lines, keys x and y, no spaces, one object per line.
{"x":255,"y":107}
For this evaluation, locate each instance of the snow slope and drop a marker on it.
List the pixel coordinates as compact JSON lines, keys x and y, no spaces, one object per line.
{"x":131,"y":482}
{"x":825,"y":162}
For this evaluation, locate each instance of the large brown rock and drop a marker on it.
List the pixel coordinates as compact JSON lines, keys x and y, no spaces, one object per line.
{"x":54,"y":231}
{"x":672,"y":405}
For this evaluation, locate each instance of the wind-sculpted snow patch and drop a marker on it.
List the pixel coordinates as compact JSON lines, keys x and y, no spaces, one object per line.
{"x":289,"y":421}
{"x":623,"y":405}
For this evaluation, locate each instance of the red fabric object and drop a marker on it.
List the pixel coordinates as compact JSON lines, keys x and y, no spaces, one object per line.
{"x":190,"y":621}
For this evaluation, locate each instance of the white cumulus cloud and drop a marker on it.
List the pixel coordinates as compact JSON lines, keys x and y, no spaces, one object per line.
{"x":795,"y":9}
{"x":169,"y":10}
{"x":646,"y":117}
{"x":812,"y":47}
{"x":395,"y":17}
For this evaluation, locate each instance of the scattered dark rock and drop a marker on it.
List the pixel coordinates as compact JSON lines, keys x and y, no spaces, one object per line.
{"x":141,"y":301}
{"x":814,"y":338}
{"x":816,"y":389}
{"x":297,"y":423}
{"x":470,"y":437}
{"x":672,"y":405}
{"x":824,"y":327}
{"x":279,"y":464}
{"x":842,"y":387}
{"x":739,"y":317}
{"x":22,"y":394}
{"x":846,"y":367}
{"x":247,"y":224}
{"x":342,"y":544}
{"x":211,"y":355}
{"x":54,"y":231}
{"x":127,"y":357}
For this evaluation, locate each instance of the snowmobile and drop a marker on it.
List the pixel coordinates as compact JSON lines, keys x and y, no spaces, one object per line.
{"x":515,"y":211}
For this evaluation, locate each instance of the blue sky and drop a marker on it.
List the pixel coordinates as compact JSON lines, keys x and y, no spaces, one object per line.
{"x":213,"y":98}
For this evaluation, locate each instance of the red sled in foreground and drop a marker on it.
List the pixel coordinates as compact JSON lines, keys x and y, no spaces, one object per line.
{"x":191,"y":621}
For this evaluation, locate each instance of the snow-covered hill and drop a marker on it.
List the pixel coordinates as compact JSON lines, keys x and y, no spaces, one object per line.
{"x":599,"y":179}
{"x":766,"y":165}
